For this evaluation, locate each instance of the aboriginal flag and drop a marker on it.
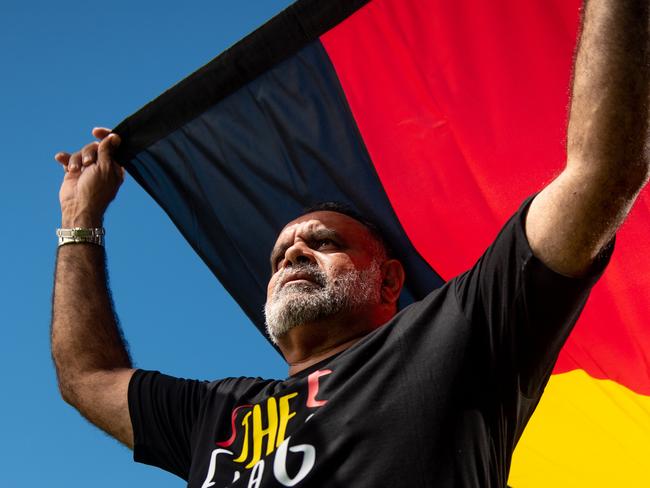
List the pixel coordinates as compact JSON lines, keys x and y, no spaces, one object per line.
{"x":435,"y":119}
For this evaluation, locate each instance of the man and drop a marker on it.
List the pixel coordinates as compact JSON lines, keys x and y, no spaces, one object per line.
{"x":435,"y":395}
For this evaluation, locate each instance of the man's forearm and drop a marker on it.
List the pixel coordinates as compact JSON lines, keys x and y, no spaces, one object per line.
{"x":85,"y":334}
{"x":575,"y":216}
{"x":608,"y":123}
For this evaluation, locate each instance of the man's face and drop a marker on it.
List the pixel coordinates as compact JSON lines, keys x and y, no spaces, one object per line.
{"x":323,"y":263}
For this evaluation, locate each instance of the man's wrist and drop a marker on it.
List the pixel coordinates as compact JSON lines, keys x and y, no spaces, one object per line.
{"x":86,"y":220}
{"x":80,"y":227}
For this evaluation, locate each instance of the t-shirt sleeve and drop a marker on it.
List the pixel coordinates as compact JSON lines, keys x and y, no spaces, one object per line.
{"x":163,"y":412}
{"x":521,"y":311}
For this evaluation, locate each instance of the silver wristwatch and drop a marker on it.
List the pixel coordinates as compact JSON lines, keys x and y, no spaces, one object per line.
{"x":81,"y":234}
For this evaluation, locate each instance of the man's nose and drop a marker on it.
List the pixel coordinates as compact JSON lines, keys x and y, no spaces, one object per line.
{"x":299,"y":253}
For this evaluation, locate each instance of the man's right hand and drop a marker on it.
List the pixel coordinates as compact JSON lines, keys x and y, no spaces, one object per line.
{"x":92,"y":179}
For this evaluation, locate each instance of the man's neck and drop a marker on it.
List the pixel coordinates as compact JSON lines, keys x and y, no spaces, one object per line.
{"x":302,"y":364}
{"x":308,"y":344}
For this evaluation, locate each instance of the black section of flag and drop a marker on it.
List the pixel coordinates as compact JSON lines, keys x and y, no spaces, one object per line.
{"x":233,"y":176}
{"x":278,"y":39}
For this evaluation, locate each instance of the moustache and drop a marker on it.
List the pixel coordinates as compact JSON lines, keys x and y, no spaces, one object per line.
{"x":309,"y":272}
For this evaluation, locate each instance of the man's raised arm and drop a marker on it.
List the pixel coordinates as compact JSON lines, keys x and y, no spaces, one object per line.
{"x":573,"y":218}
{"x":92,"y":363}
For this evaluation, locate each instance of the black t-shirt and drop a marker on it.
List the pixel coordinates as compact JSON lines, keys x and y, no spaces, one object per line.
{"x":437,"y":397}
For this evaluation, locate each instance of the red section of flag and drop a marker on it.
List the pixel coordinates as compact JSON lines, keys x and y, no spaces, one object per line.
{"x":462,"y":106}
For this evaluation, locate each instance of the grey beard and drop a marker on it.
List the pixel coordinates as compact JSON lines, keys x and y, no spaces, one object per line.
{"x":301,"y":303}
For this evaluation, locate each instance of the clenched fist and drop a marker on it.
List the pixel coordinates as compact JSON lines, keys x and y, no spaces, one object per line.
{"x":91,"y":180}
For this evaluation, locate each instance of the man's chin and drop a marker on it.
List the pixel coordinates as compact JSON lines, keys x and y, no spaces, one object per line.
{"x":299,"y":286}
{"x":285,"y":317}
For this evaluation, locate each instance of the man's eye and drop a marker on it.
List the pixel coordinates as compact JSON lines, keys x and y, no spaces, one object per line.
{"x":325,"y":243}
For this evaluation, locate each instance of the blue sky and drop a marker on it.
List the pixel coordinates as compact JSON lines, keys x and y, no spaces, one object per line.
{"x":68,"y":66}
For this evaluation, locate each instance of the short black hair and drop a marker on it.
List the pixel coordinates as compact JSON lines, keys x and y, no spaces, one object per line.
{"x":345,"y":209}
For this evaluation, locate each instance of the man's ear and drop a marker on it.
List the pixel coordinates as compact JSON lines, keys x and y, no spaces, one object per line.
{"x":392,"y":273}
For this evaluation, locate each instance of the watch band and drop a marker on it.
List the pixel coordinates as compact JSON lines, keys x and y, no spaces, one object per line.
{"x":81,"y":234}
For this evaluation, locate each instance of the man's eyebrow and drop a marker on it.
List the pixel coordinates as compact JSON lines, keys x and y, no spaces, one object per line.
{"x":310,"y":236}
{"x":323,"y":234}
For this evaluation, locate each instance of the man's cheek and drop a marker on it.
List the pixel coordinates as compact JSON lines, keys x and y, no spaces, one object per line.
{"x":271,"y":287}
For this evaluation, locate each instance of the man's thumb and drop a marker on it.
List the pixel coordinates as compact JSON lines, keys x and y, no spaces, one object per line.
{"x":107,"y":147}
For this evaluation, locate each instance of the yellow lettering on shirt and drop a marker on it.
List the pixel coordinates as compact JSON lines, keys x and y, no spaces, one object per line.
{"x":244,"y":449}
{"x":259,"y":433}
{"x":285,"y":415}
